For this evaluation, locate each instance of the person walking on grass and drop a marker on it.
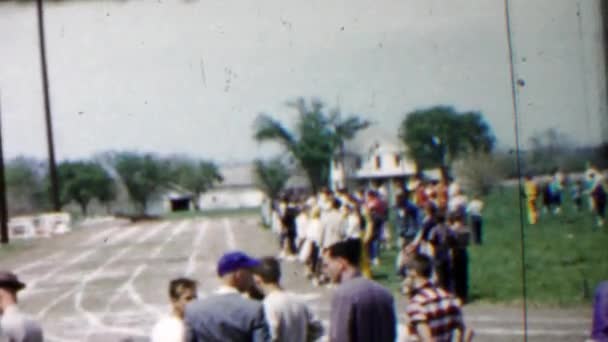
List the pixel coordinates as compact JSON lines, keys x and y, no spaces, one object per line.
{"x":361,"y":309}
{"x":229,"y":314}
{"x":474,"y":209}
{"x":171,"y":328}
{"x":598,"y":194}
{"x":531,"y":193}
{"x":15,"y":326}
{"x":434,"y":315}
{"x":459,"y":243}
{"x":289,"y":318}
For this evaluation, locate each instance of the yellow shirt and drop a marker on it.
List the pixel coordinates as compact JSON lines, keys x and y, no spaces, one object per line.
{"x":530,"y":189}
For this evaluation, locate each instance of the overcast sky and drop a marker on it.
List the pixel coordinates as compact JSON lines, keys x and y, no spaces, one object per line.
{"x":191,"y":76}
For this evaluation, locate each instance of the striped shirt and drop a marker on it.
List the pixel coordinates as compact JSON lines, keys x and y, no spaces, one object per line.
{"x":437,"y":308}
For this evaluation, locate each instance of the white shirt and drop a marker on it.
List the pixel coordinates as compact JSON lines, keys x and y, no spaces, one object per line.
{"x":353,"y":226}
{"x":301,"y":225}
{"x":17,"y":327}
{"x":456,"y":202}
{"x":333,"y":228}
{"x":315,"y":231}
{"x":475,"y":207}
{"x":169,"y":329}
{"x":289,"y":318}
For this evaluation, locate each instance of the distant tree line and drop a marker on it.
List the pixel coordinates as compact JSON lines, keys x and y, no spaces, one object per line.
{"x":142,"y":176}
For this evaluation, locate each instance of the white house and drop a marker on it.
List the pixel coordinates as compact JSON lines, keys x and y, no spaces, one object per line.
{"x":238,"y":189}
{"x":372,"y":155}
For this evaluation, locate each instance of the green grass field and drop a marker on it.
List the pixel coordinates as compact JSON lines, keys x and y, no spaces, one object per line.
{"x":566,"y":256}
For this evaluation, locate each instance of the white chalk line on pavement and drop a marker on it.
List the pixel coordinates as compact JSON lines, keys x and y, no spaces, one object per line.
{"x":230,"y":238}
{"x":40,"y":262}
{"x":31,"y":286}
{"x":200,"y":235}
{"x":42,"y":313}
{"x":531,"y":320}
{"x":122,"y":236}
{"x":131,"y":289}
{"x":128,"y":286}
{"x":92,"y":319}
{"x":101,"y":236}
{"x":530,"y":332}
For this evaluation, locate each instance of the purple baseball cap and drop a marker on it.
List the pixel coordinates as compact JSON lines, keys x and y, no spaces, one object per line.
{"x":233,"y":261}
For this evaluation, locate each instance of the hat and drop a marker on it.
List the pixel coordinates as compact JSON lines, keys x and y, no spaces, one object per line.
{"x":233,"y":261}
{"x":9,"y":280}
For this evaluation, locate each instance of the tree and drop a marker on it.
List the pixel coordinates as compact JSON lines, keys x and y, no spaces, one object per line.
{"x":25,"y":188}
{"x":144,"y":176}
{"x":479,"y":172}
{"x":270,"y":176}
{"x":437,"y":136}
{"x":316,"y":137}
{"x":81,"y":181}
{"x":196,"y":176}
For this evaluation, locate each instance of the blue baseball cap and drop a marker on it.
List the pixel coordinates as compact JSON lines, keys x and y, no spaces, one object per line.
{"x":233,"y":261}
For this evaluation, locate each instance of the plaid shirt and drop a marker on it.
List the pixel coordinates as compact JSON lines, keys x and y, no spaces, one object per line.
{"x":434,"y":306}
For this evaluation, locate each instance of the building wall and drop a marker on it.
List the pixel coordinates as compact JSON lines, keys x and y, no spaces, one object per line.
{"x":231,"y":198}
{"x":383,"y":161}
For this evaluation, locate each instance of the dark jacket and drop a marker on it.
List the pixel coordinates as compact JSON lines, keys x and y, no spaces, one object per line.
{"x":362,"y":310}
{"x":226,"y":317}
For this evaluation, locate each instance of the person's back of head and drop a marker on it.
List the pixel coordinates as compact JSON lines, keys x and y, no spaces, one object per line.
{"x":349,"y":250}
{"x":269,"y":270}
{"x":421,"y":265}
{"x":336,"y":204}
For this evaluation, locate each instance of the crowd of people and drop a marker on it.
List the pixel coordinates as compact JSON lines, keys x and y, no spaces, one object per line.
{"x":432,"y":218}
{"x":588,"y":191}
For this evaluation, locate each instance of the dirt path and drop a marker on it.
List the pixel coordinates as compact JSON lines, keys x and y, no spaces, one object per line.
{"x":109,"y":284}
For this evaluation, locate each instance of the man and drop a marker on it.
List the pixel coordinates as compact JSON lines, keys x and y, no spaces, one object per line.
{"x":361,"y":310}
{"x":171,"y":328}
{"x":229,"y":314}
{"x":378,"y":210}
{"x":288,"y":318}
{"x":333,"y":224}
{"x":434,"y":314}
{"x":531,"y":192}
{"x":14,"y":325}
{"x":474,"y":209}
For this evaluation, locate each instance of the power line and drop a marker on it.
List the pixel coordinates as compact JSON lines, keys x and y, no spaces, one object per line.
{"x":518,"y":163}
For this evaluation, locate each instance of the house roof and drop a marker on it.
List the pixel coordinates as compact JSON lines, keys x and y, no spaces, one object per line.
{"x":374,"y":138}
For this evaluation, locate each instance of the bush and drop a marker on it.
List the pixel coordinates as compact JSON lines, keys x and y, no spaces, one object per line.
{"x":478,"y":173}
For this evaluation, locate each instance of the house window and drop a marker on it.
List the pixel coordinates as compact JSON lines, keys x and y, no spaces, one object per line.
{"x":397,"y":159}
{"x":378,"y":162}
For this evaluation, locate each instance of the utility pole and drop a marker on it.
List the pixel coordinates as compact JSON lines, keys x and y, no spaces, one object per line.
{"x":47,"y":109}
{"x":3,"y":209}
{"x":515,"y":104}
